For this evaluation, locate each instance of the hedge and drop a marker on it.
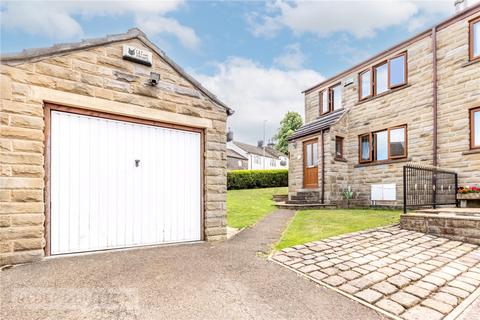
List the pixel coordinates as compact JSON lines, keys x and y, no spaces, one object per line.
{"x":251,"y":179}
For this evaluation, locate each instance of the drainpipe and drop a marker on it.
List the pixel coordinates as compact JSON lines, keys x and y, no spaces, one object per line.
{"x":323,"y":167}
{"x":434,"y":93}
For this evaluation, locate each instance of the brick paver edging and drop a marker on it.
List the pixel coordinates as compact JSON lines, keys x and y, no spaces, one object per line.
{"x":371,"y":306}
{"x":402,"y":274}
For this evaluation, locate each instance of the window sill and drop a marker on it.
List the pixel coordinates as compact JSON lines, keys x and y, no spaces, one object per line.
{"x":472,"y":151}
{"x":470,"y":62}
{"x":383,"y":94}
{"x":370,"y":164}
{"x":340,"y":159}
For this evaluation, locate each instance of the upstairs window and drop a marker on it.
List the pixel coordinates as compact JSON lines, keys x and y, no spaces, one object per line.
{"x":338,"y":147}
{"x":331,"y":99}
{"x":475,"y":39}
{"x":336,"y":96}
{"x":383,"y":145}
{"x":383,"y":77}
{"x":324,"y":102}
{"x":365,"y":80}
{"x":475,"y":128}
{"x":398,"y":71}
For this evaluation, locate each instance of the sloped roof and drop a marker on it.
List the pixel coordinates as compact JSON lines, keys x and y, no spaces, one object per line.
{"x":233,"y":154}
{"x":322,"y":123}
{"x":471,"y":10}
{"x":269,"y":152}
{"x":134,"y":33}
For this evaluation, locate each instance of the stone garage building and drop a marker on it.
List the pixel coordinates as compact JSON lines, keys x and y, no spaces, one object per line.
{"x":96,"y":155}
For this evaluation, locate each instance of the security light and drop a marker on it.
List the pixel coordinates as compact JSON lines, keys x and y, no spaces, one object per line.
{"x":154,"y":78}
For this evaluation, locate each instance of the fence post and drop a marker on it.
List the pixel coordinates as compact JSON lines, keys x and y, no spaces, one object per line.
{"x":456,"y":190}
{"x":434,"y":187}
{"x":404,"y":189}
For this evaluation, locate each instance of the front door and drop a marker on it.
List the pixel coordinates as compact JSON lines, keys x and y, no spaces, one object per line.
{"x":310,"y":164}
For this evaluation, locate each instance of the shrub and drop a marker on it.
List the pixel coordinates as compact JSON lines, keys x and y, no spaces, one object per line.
{"x":251,"y":179}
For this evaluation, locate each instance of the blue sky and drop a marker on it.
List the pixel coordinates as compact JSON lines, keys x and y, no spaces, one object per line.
{"x":256,"y":56}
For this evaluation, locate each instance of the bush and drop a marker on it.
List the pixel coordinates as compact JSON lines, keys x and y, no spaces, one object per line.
{"x":251,"y":179}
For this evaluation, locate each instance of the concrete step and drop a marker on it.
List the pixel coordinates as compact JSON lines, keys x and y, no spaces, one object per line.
{"x":303,"y":206}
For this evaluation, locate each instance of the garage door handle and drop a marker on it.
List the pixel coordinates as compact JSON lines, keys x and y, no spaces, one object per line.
{"x":137,"y":163}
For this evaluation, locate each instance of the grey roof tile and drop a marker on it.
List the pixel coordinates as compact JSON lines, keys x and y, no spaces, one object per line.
{"x":322,"y":123}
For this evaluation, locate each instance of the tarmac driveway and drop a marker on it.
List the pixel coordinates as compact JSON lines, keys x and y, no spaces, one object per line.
{"x":230,"y":279}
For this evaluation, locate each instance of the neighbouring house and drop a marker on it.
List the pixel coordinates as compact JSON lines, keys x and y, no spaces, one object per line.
{"x":107,"y":143}
{"x":260,"y":157}
{"x":235,"y":161}
{"x":415,"y":103}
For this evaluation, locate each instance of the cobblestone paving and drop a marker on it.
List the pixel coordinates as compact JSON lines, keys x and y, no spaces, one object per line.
{"x":409,"y":274}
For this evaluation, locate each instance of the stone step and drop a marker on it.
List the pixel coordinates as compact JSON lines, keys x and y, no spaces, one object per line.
{"x":308,"y":193}
{"x":451,"y":211}
{"x":303,"y":206}
{"x":280,"y":197}
{"x":302,"y":201}
{"x":300,"y":197}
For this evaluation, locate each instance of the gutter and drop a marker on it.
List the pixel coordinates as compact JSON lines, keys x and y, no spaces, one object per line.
{"x":323,"y":167}
{"x":435,"y":96}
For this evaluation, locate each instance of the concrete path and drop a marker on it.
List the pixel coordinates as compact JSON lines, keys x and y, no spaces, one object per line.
{"x":408,"y":274}
{"x":227,"y":280}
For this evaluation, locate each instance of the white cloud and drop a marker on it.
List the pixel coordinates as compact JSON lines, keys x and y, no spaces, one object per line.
{"x":359,"y":18}
{"x":158,"y":24}
{"x":58,"y":19}
{"x":258,"y":93}
{"x":293,"y":58}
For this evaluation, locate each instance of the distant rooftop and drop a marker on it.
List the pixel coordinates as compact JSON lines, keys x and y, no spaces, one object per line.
{"x":269,"y":151}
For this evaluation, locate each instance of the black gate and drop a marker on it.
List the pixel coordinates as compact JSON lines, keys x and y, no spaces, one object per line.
{"x":428,"y":187}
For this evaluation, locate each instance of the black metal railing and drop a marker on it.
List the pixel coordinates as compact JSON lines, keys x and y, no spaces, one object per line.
{"x":428,"y":187}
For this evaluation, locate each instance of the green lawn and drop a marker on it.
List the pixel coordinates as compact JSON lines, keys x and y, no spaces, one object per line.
{"x":313,"y":225}
{"x":245,"y":207}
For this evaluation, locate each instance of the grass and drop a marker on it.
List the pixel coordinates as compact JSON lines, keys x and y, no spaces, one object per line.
{"x":313,"y":225}
{"x":246,"y":207}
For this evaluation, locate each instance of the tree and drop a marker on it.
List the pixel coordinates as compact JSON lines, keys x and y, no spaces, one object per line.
{"x":289,"y":124}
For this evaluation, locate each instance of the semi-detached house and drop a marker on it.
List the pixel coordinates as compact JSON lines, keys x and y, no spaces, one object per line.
{"x":415,"y":103}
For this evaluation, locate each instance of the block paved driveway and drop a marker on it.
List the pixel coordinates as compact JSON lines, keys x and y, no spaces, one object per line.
{"x":406,"y":273}
{"x":227,"y":280}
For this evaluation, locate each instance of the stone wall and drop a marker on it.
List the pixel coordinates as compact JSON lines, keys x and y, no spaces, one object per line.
{"x":96,"y":78}
{"x":465,"y":229}
{"x":458,"y":92}
{"x":411,"y":105}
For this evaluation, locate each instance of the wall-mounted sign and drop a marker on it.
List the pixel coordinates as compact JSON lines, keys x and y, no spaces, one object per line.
{"x":137,"y":55}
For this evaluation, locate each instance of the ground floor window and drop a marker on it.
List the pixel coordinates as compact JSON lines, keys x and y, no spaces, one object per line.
{"x":383,"y":145}
{"x":339,"y":147}
{"x":475,"y":128}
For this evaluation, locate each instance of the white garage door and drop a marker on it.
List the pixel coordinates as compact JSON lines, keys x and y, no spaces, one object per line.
{"x":118,"y":184}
